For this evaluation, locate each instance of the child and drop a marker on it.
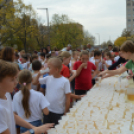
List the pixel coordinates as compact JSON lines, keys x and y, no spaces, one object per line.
{"x":33,"y":57}
{"x":66,"y":57}
{"x":24,"y":63}
{"x":42,"y":57}
{"x":36,"y":66}
{"x":57,"y":91}
{"x":8,"y":80}
{"x":16,"y":57}
{"x":43,"y":87}
{"x":75,"y":59}
{"x":96,"y":60}
{"x":108,"y":61}
{"x":46,"y":61}
{"x":83,"y":80}
{"x":28,"y":103}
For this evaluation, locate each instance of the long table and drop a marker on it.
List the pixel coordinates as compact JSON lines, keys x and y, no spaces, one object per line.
{"x":104,"y":110}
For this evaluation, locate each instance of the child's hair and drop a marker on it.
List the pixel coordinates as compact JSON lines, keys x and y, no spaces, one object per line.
{"x":34,"y":56}
{"x":84,"y":52}
{"x":74,"y":53}
{"x":24,"y":56}
{"x":109,"y":54}
{"x":42,"y":54}
{"x":48,"y":56}
{"x":59,"y":53}
{"x":22,"y":51}
{"x":97,"y":53}
{"x":65,"y":54}
{"x":115,"y":49}
{"x":25,"y":78}
{"x":56,"y":62}
{"x":16,"y":55}
{"x":91,"y":53}
{"x":17,"y":66}
{"x":7,"y":54}
{"x":36,"y":65}
{"x":7,"y":69}
{"x":127,"y":46}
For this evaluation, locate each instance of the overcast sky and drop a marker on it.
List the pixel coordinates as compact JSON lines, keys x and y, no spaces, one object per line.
{"x":106,"y":17}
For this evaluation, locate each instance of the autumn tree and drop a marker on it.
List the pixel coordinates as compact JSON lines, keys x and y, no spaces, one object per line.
{"x":119,"y":41}
{"x":64,"y":31}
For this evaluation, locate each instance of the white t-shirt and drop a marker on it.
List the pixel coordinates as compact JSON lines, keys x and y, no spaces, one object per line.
{"x":43,"y":62}
{"x":34,"y":86}
{"x":91,"y":58}
{"x":6,"y":115}
{"x":109,"y":62}
{"x":24,"y":65}
{"x":93,"y":61}
{"x":37,"y":102}
{"x":56,"y":89}
{"x":116,"y":58}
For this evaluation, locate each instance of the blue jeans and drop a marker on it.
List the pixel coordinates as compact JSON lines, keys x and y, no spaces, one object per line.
{"x":34,"y":123}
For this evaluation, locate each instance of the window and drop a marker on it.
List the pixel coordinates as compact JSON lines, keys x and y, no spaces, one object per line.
{"x":128,"y":10}
{"x":129,"y":25}
{"x":129,"y":20}
{"x":128,"y":4}
{"x":129,"y":15}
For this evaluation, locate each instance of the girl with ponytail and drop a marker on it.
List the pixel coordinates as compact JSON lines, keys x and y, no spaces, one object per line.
{"x":28,"y":103}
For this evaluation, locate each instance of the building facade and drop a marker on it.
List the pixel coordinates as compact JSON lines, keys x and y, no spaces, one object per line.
{"x":130,"y":15}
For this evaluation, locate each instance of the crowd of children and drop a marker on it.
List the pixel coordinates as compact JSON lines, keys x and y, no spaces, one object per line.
{"x":43,"y":86}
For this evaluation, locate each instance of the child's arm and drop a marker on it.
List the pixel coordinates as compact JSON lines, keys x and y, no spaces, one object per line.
{"x":36,"y":79}
{"x":45,"y":111}
{"x":41,"y":129}
{"x":19,"y":121}
{"x":38,"y":130}
{"x":80,"y":68}
{"x":107,"y":65}
{"x":95,"y":73}
{"x":6,"y":132}
{"x":73,"y":76}
{"x":77,"y":97}
{"x":67,"y":105}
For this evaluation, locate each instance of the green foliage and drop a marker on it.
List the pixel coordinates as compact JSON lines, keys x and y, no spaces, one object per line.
{"x":19,"y":25}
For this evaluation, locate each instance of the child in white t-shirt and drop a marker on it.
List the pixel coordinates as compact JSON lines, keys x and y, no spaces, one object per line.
{"x":96,"y":60}
{"x":36,"y":66}
{"x":28,"y":103}
{"x":8,"y":80}
{"x":24,"y":63}
{"x":57,"y":91}
{"x":108,"y":61}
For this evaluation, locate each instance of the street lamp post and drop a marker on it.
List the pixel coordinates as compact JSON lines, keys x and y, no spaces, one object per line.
{"x":47,"y":22}
{"x":99,"y":37}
